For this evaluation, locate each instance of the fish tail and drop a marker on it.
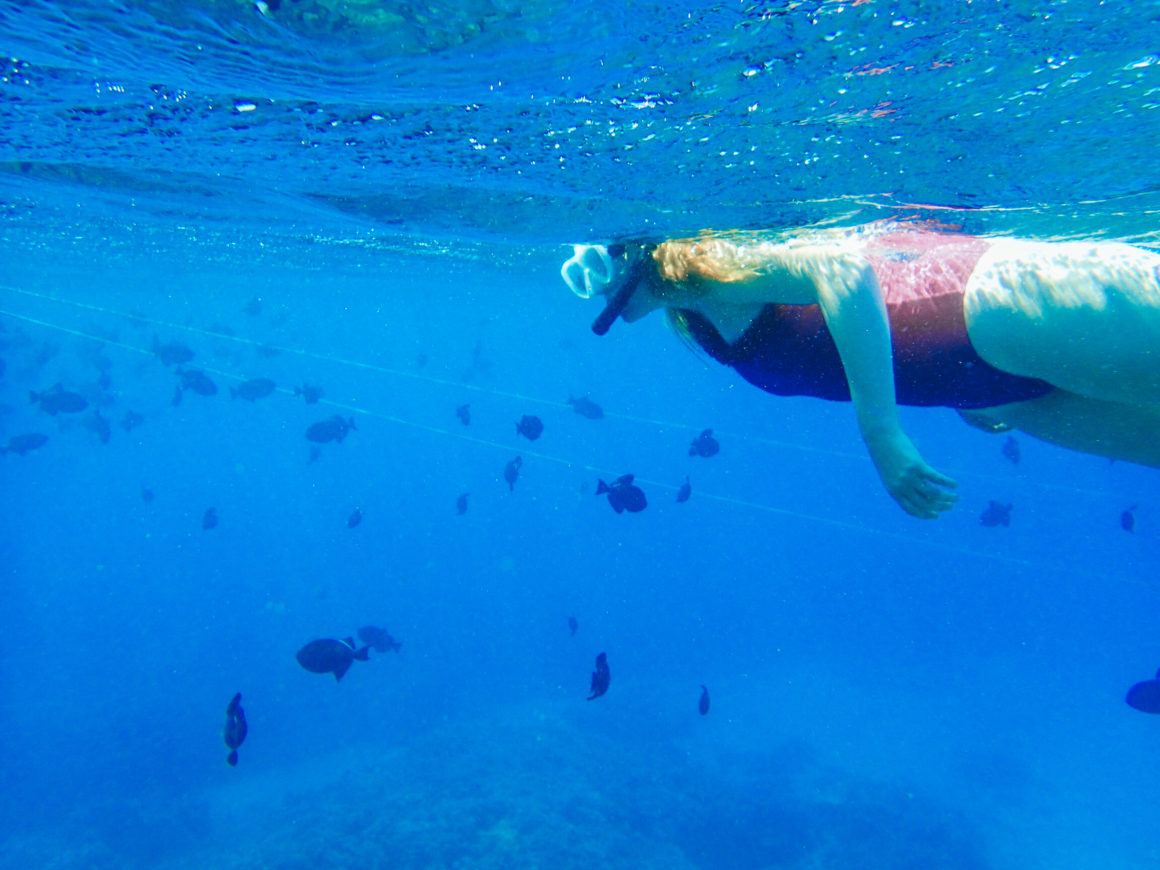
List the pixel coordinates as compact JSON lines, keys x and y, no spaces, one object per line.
{"x":602,"y":487}
{"x":232,"y":758}
{"x":363,"y":654}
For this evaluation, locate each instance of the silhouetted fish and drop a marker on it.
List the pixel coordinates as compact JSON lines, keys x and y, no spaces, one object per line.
{"x":355,"y":518}
{"x":99,"y":426}
{"x":131,"y":420}
{"x":147,"y":494}
{"x":329,"y":656}
{"x":1011,"y":450}
{"x":173,"y":353}
{"x":379,"y":639}
{"x":461,"y":504}
{"x":309,"y":394}
{"x":254,"y":307}
{"x":1145,"y":695}
{"x":585,"y":407}
{"x":703,"y":703}
{"x":23,"y":444}
{"x":58,"y":400}
{"x":623,"y":494}
{"x":705,"y":445}
{"x":1128,"y":518}
{"x":332,"y":429}
{"x":236,"y":729}
{"x":996,"y":514}
{"x":253,"y":389}
{"x":573,"y":626}
{"x":530,"y":427}
{"x":463,"y":412}
{"x":511,"y":472}
{"x":601,"y":677}
{"x":685,"y":491}
{"x":196,"y":381}
{"x":209,"y":519}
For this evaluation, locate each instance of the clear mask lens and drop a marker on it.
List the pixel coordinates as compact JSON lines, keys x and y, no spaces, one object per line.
{"x":589,"y":270}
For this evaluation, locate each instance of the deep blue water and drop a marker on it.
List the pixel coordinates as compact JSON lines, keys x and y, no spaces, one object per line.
{"x":397,"y":184}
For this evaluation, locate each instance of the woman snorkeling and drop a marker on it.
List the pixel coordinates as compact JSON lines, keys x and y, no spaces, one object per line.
{"x":1060,"y":340}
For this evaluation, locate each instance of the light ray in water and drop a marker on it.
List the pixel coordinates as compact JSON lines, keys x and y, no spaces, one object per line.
{"x":547,"y":457}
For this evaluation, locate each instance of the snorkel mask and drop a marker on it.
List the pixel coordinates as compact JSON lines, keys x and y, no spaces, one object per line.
{"x":596,"y":270}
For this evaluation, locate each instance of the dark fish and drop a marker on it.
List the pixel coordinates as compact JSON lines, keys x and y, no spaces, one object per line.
{"x":195,"y":381}
{"x":329,"y":656}
{"x":1128,"y":519}
{"x":421,"y":360}
{"x":1145,"y":695}
{"x":209,"y":520}
{"x":585,"y":407}
{"x":461,"y":504}
{"x":236,"y":729}
{"x":623,"y":494}
{"x":23,"y":444}
{"x":703,"y":704}
{"x":99,"y":426}
{"x":511,"y":472}
{"x":131,"y":420}
{"x":309,"y":394}
{"x":379,"y":639}
{"x":685,"y":491}
{"x":147,"y":494}
{"x":254,"y":307}
{"x":1011,"y":450}
{"x":463,"y":412}
{"x":333,"y":429}
{"x":996,"y":514}
{"x":601,"y":677}
{"x":173,"y":353}
{"x":705,"y":445}
{"x":58,"y":400}
{"x":573,"y":626}
{"x":254,"y":389}
{"x":354,"y":519}
{"x":530,"y":427}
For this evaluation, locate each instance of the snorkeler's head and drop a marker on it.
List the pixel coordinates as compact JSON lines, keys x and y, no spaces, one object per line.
{"x":614,"y":272}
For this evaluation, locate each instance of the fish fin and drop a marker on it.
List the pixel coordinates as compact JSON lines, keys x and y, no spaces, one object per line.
{"x":602,"y":487}
{"x":232,"y":758}
{"x":341,"y":670}
{"x":363,"y":654}
{"x":349,"y":641}
{"x":625,"y":479}
{"x":618,"y":507}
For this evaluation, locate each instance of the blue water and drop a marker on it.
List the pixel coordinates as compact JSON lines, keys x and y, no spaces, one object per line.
{"x":397,"y":184}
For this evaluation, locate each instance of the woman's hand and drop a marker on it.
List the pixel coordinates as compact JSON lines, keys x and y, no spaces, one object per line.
{"x":920,"y":490}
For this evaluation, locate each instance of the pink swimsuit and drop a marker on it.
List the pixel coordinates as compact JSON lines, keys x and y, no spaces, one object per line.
{"x":789,"y":351}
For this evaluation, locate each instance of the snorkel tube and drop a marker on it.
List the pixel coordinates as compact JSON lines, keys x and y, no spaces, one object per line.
{"x":592,"y":269}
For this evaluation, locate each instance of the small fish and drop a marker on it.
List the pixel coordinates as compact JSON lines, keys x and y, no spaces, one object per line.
{"x":1011,"y":450}
{"x":601,"y":677}
{"x":996,"y":514}
{"x":24,"y":444}
{"x":131,"y":420}
{"x":530,"y":427}
{"x":329,"y":656}
{"x":1128,"y":518}
{"x":99,"y":426}
{"x":254,"y":389}
{"x":236,"y":729}
{"x":195,"y":381}
{"x":705,"y":445}
{"x":378,"y":639}
{"x":333,"y":429}
{"x":1145,"y":696}
{"x":703,"y":703}
{"x":309,"y":394}
{"x":147,"y":494}
{"x":685,"y":491}
{"x":623,"y":494}
{"x":585,"y":407}
{"x":463,"y":412}
{"x":461,"y":504}
{"x":511,"y":472}
{"x":209,"y":519}
{"x":173,"y":353}
{"x":354,"y":519}
{"x":573,"y":626}
{"x":58,"y":400}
